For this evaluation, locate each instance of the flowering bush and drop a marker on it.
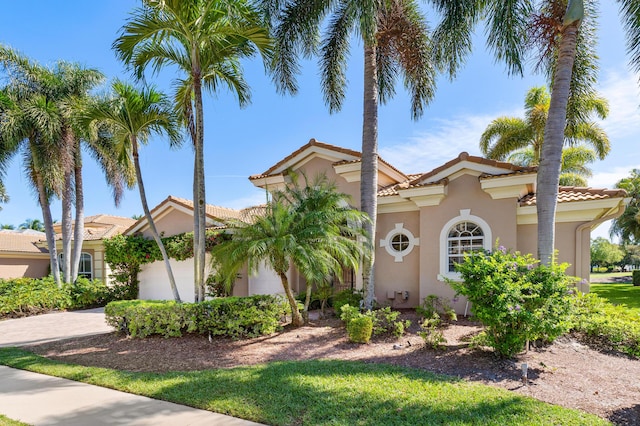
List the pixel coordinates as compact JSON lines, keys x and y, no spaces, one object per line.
{"x":516,"y":299}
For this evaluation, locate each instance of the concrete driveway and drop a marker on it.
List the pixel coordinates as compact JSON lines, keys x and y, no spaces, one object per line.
{"x":50,"y":327}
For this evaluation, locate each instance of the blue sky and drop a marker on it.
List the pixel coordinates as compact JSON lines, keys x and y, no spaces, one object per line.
{"x":241,"y":142}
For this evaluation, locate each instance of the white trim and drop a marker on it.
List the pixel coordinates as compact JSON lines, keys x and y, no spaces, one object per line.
{"x":465,"y":216}
{"x":467,"y":167}
{"x":399,"y":229}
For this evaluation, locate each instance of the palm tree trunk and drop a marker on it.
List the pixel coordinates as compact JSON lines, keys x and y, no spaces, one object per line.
{"x":78,"y":232}
{"x":199,"y":199}
{"x":152,"y":225}
{"x":550,"y":162}
{"x":369,"y":167}
{"x":67,"y":228}
{"x":48,"y":228}
{"x":296,"y":318}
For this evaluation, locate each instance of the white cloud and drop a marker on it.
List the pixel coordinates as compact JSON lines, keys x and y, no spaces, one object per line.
{"x":609,"y":178}
{"x":622,"y":92}
{"x":256,"y":198}
{"x":446,"y":139}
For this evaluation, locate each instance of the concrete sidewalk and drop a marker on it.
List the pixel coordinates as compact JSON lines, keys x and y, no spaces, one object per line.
{"x":37,"y":399}
{"x":54,"y":326}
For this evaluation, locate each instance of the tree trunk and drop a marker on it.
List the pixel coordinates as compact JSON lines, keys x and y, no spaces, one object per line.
{"x":369,"y":168}
{"x":48,"y":228}
{"x":78,"y":232}
{"x":550,"y":162}
{"x":67,"y":226}
{"x":307,"y":302}
{"x":152,"y":225}
{"x":296,"y":318}
{"x":199,"y":197}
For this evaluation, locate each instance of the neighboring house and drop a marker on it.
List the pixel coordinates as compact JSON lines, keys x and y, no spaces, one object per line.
{"x":20,"y":254}
{"x":426,"y":222}
{"x":92,"y":264}
{"x":175,"y":216}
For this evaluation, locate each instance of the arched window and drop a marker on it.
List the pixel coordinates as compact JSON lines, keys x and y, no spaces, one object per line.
{"x":85,"y":269}
{"x":465,"y":237}
{"x":460,"y":235}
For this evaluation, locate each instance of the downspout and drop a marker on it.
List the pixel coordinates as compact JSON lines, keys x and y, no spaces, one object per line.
{"x":612,"y":213}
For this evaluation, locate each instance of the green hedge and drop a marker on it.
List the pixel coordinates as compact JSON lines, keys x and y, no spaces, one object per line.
{"x":636,"y":277}
{"x":30,"y":296}
{"x":230,"y":316}
{"x":605,"y":325}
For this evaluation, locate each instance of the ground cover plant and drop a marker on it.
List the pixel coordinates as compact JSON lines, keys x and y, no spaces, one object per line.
{"x":5,"y":421}
{"x":321,"y":392}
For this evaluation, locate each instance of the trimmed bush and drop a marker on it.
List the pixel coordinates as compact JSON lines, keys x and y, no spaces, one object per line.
{"x":360,"y":329}
{"x":516,"y":299}
{"x":635,"y":277}
{"x":230,"y":316}
{"x":384,"y":321}
{"x":346,"y":297}
{"x":606,"y":326}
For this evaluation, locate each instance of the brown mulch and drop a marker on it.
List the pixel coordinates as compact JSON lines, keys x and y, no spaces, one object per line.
{"x":566,"y":373}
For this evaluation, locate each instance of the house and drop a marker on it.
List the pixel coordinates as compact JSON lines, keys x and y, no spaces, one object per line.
{"x":96,"y":228}
{"x":427,"y":221}
{"x":21,"y":256}
{"x":174,"y":216}
{"x":25,"y":253}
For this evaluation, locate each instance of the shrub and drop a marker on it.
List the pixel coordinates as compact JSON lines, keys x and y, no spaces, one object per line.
{"x":635,"y":277}
{"x":430,"y":332}
{"x":232,"y":316}
{"x":28,"y":296}
{"x":433,"y":304}
{"x":346,"y":297}
{"x":85,"y":293}
{"x":605,"y":325}
{"x":384,"y":321}
{"x":359,"y":329}
{"x":516,"y":300}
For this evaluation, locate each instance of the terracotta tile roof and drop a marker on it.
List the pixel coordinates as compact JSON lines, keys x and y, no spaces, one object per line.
{"x":100,"y":226}
{"x":487,"y":176}
{"x":215,"y":212}
{"x":21,"y":241}
{"x":464,"y":156}
{"x":392,"y":189}
{"x":312,"y":142}
{"x":567,"y":194}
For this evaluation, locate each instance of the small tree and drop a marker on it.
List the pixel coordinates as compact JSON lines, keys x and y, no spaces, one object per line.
{"x":310,"y":227}
{"x":515,"y":299}
{"x":605,"y":253}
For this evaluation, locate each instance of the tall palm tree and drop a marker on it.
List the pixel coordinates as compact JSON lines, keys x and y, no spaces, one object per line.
{"x":205,"y":40}
{"x":627,"y":226}
{"x":309,"y":227}
{"x":573,"y":170}
{"x":132,"y":116}
{"x":7,"y":226}
{"x":394,"y":34}
{"x":29,"y":125}
{"x":564,"y":32}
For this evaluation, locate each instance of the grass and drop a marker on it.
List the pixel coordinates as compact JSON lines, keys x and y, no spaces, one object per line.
{"x":619,"y":294}
{"x":6,"y":421}
{"x":322,"y":393}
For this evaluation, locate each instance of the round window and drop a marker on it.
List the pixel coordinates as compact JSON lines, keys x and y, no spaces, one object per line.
{"x":400,"y":242}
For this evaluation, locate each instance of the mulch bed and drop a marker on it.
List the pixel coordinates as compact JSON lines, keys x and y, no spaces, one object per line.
{"x":567,"y":373}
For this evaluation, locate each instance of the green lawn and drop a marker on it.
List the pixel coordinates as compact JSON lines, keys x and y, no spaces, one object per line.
{"x":619,"y":294}
{"x":322,"y":393}
{"x":6,"y":421}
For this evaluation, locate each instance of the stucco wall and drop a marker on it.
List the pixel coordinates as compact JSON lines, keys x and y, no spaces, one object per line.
{"x":24,"y":267}
{"x":319,"y":165}
{"x":464,"y":193}
{"x":174,"y":222}
{"x":391,"y":276}
{"x":154,"y":283}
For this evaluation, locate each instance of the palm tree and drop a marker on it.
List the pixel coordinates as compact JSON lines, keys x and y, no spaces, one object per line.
{"x":34,"y":224}
{"x":29,"y":125}
{"x":564,"y":33}
{"x":205,"y":40}
{"x":395,"y":38}
{"x":4,"y":198}
{"x":132,"y":116}
{"x":311,"y":228}
{"x":520,"y":140}
{"x":7,"y":226}
{"x":627,"y":226}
